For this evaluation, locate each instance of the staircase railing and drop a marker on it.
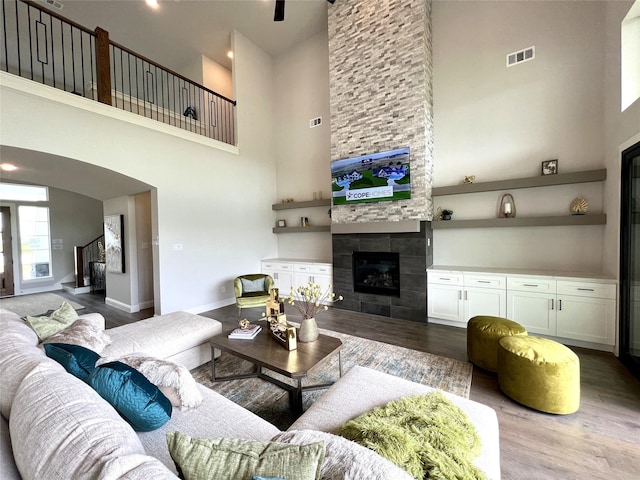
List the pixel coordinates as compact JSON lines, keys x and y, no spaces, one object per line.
{"x":46,"y":47}
{"x":84,"y":256}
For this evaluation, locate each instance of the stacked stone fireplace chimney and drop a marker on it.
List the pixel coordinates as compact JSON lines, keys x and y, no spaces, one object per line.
{"x":380,"y":71}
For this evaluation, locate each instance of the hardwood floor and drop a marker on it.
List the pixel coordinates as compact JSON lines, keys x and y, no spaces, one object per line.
{"x":600,"y":441}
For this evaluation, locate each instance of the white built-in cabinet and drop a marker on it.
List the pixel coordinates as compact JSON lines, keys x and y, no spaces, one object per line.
{"x":456,"y":296}
{"x":571,"y":309}
{"x":288,"y":273}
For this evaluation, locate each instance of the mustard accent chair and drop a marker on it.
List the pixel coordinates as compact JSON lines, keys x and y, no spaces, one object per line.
{"x":252,"y":290}
{"x":539,"y":373}
{"x":483,"y":334}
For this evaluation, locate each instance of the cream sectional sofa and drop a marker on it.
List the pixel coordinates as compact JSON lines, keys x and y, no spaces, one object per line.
{"x":55,"y":426}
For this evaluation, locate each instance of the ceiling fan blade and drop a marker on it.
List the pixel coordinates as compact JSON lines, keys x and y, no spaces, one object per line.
{"x":279,"y":14}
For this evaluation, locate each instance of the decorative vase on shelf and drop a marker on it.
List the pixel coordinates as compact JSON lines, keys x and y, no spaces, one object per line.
{"x":308,"y":330}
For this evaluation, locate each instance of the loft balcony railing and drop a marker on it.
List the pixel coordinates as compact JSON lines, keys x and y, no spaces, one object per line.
{"x":45,"y":47}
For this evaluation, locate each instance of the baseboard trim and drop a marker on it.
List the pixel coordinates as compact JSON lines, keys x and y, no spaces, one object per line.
{"x":120,"y":306}
{"x":212,"y":306}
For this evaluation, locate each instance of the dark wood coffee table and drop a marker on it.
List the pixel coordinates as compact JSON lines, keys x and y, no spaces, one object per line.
{"x":265,"y":353}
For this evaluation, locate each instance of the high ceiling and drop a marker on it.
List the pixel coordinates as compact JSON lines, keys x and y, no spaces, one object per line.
{"x":174,"y":35}
{"x":178,"y":31}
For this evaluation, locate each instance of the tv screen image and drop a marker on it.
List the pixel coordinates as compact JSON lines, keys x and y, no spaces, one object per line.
{"x":377,"y":177}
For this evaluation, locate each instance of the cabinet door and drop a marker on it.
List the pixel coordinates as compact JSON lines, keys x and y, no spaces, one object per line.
{"x":484,"y":301}
{"x":587,"y":319}
{"x":534,"y":311}
{"x":445,"y":302}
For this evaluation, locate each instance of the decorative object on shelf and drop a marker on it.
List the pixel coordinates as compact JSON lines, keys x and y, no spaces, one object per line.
{"x":469,"y":179}
{"x":507,"y":206}
{"x":550,"y":167}
{"x":304,"y":221}
{"x":579,"y":206}
{"x":287,"y":200}
{"x":281,"y":223}
{"x":443,"y":214}
{"x":310,"y":300}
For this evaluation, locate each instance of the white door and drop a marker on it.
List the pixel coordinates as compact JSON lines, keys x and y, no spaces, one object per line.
{"x":484,"y":301}
{"x":445,"y":302}
{"x":534,"y":311}
{"x":587,"y":319}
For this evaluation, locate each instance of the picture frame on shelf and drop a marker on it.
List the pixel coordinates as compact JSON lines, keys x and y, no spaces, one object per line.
{"x":281,"y":223}
{"x":550,"y":167}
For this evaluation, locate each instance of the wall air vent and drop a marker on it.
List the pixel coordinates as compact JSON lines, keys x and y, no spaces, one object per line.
{"x":54,"y":3}
{"x":314,"y":122}
{"x":521,"y":56}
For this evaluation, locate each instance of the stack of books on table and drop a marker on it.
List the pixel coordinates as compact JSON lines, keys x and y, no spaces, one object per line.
{"x":247,"y":333}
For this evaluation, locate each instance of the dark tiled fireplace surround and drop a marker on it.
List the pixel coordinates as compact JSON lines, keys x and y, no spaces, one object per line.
{"x":416,"y":255}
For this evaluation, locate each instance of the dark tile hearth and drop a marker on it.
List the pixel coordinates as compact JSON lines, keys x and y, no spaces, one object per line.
{"x":415,"y":257}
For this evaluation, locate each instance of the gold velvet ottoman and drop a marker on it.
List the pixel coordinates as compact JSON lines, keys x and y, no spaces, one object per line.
{"x":483,"y":333}
{"x":539,"y":373}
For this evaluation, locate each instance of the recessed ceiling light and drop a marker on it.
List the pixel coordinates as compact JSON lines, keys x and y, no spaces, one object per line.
{"x":230,"y":54}
{"x":8,"y":167}
{"x":152,"y":3}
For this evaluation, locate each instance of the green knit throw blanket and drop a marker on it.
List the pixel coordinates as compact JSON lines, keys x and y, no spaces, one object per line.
{"x":426,"y":435}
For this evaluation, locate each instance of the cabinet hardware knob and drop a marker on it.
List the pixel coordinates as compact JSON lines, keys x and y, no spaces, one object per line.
{"x":484,"y":281}
{"x":560,"y":304}
{"x":530,"y":285}
{"x":586,"y":289}
{"x":552,"y":304}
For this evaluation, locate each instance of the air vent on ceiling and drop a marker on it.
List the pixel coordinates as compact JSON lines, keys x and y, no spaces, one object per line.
{"x":521,"y":56}
{"x":54,"y":4}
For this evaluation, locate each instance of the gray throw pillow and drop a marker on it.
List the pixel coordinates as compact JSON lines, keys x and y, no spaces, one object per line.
{"x":250,"y":286}
{"x":344,"y":459}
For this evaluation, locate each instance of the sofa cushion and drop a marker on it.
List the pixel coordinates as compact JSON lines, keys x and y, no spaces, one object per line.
{"x":231,"y":459}
{"x":82,"y":332}
{"x":60,"y":319}
{"x":134,"y":397}
{"x":8,"y":469}
{"x":19,"y":354}
{"x":217,"y":416}
{"x":61,"y":428}
{"x":163,"y":336}
{"x":427,"y":435}
{"x":76,"y":360}
{"x":339,"y":404}
{"x":344,"y":459}
{"x":173,"y":380}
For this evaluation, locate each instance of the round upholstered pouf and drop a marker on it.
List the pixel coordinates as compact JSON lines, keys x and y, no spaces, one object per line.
{"x":539,"y":373}
{"x":483,"y":333}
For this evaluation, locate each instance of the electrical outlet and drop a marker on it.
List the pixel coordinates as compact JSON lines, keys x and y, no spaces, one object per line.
{"x":177,"y":246}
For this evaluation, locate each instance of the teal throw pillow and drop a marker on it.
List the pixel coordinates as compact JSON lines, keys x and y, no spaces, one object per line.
{"x":250,"y":286}
{"x":56,"y":322}
{"x":232,"y":459}
{"x":78,"y":361}
{"x":135,"y":398}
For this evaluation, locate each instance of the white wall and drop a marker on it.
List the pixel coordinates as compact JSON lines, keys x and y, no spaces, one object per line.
{"x":622,"y":129}
{"x":143,"y":249}
{"x":216,"y":203}
{"x":211,"y":75}
{"x":303,"y":153}
{"x":74,"y":219}
{"x":498,"y":123}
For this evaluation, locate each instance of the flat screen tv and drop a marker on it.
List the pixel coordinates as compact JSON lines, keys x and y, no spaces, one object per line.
{"x":378,"y":177}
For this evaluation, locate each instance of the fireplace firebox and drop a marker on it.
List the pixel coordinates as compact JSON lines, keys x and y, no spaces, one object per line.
{"x":377,"y":273}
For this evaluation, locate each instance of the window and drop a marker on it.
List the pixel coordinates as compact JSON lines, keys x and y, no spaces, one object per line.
{"x":35,"y":249}
{"x":25,"y":193}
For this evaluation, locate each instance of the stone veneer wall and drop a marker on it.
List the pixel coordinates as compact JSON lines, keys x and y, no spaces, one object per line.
{"x":380,"y":72}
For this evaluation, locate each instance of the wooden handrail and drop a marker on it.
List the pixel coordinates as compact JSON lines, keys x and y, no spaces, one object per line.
{"x":181,"y":77}
{"x":59,"y":17}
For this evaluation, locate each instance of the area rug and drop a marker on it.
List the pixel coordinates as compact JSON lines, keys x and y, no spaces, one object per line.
{"x":35,"y":304}
{"x":272,"y":403}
